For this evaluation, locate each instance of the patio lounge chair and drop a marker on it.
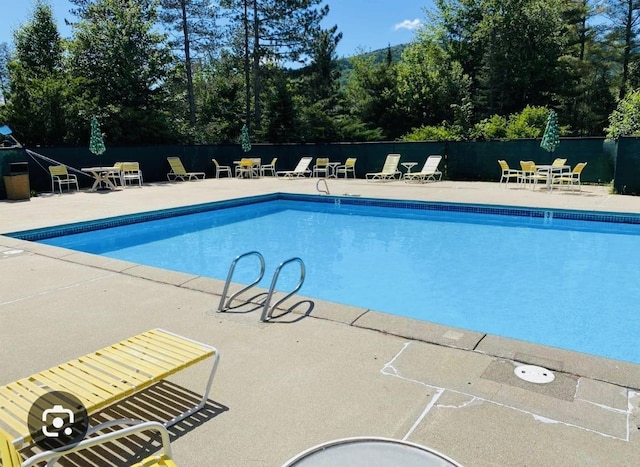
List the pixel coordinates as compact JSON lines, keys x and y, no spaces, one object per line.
{"x":389,"y":169}
{"x":11,"y":458}
{"x":429,"y":171}
{"x":108,"y":376}
{"x":179,"y":172}
{"x":349,"y":167}
{"x":220,"y":169}
{"x":61,"y":176}
{"x":570,"y":178}
{"x":301,"y":170}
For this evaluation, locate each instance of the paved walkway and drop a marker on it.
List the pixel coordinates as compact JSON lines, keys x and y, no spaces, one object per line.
{"x":285,"y":386}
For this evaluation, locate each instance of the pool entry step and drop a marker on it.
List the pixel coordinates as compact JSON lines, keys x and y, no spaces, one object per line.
{"x":267,"y":310}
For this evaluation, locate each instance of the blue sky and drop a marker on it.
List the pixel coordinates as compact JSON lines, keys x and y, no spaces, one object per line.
{"x":365,"y":24}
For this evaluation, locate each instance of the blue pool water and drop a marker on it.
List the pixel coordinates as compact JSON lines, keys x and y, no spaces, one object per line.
{"x":566,"y":283}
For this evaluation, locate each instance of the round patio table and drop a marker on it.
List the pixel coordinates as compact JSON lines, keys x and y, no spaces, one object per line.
{"x":370,"y":452}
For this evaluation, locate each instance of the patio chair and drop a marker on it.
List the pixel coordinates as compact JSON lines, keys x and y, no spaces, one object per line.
{"x":179,"y":172}
{"x":570,"y":178}
{"x":349,"y":167}
{"x":11,"y":458}
{"x":530,"y":174}
{"x":269,"y":168}
{"x":116,"y":177}
{"x":61,"y":176}
{"x":245,"y":168}
{"x":429,"y":171}
{"x":321,"y":166}
{"x":558,"y":162}
{"x":220,"y":169}
{"x":301,"y":170}
{"x":389,"y":169}
{"x":508,"y":173}
{"x":130,"y":172}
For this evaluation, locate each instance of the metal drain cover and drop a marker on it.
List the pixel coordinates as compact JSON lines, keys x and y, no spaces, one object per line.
{"x":534,"y":374}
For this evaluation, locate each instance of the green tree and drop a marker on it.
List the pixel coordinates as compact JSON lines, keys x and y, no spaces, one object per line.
{"x":318,"y":97}
{"x":625,"y":119}
{"x":195,"y":23}
{"x":281,"y":124}
{"x":430,"y":84}
{"x":372,"y":95}
{"x":219,"y":92}
{"x":509,"y":49}
{"x":5,"y":57}
{"x":624,"y":18}
{"x":123,"y":69}
{"x":279,"y":32}
{"x":37,"y":94}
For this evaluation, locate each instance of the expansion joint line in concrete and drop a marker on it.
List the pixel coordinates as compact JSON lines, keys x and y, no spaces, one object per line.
{"x":390,"y":370}
{"x":57,"y":289}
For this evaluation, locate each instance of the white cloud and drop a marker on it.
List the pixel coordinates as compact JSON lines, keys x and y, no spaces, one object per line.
{"x":408,"y":24}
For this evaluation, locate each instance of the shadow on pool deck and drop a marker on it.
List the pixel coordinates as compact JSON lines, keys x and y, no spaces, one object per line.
{"x":340,"y":371}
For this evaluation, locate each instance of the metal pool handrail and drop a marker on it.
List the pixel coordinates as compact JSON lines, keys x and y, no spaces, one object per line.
{"x":222,"y":306}
{"x":268,"y":311}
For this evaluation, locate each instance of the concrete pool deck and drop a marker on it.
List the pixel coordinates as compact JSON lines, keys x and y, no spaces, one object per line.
{"x":326,"y":371}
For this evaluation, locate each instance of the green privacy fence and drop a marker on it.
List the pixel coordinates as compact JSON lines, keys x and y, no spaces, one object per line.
{"x":472,"y":161}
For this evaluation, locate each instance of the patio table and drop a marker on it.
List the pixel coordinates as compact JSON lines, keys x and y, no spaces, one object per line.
{"x":101,"y":175}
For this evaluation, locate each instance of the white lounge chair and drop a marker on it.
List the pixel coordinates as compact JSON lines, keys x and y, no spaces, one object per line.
{"x":429,"y":171}
{"x":301,"y":170}
{"x":389,"y":170}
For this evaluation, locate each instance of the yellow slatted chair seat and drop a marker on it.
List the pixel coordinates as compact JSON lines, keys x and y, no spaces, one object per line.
{"x":8,"y":453}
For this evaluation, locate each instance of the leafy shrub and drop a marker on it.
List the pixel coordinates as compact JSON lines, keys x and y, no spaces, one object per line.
{"x":625,"y":119}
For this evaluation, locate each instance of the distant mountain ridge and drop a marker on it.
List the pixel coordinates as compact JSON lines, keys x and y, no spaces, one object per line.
{"x":344,"y":65}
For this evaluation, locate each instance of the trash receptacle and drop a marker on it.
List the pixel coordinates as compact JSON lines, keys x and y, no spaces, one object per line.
{"x":17,"y":182}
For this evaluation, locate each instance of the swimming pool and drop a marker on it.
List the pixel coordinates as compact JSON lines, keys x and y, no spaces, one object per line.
{"x":560,"y":278}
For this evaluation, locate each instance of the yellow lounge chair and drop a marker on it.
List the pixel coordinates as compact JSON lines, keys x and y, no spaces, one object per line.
{"x":61,"y":176}
{"x":429,"y":171}
{"x":389,"y":169}
{"x":108,"y":376}
{"x":301,"y":170}
{"x":179,"y":172}
{"x":11,"y":458}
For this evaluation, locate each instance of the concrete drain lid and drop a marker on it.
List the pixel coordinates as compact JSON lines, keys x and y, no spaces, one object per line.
{"x":534,"y":374}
